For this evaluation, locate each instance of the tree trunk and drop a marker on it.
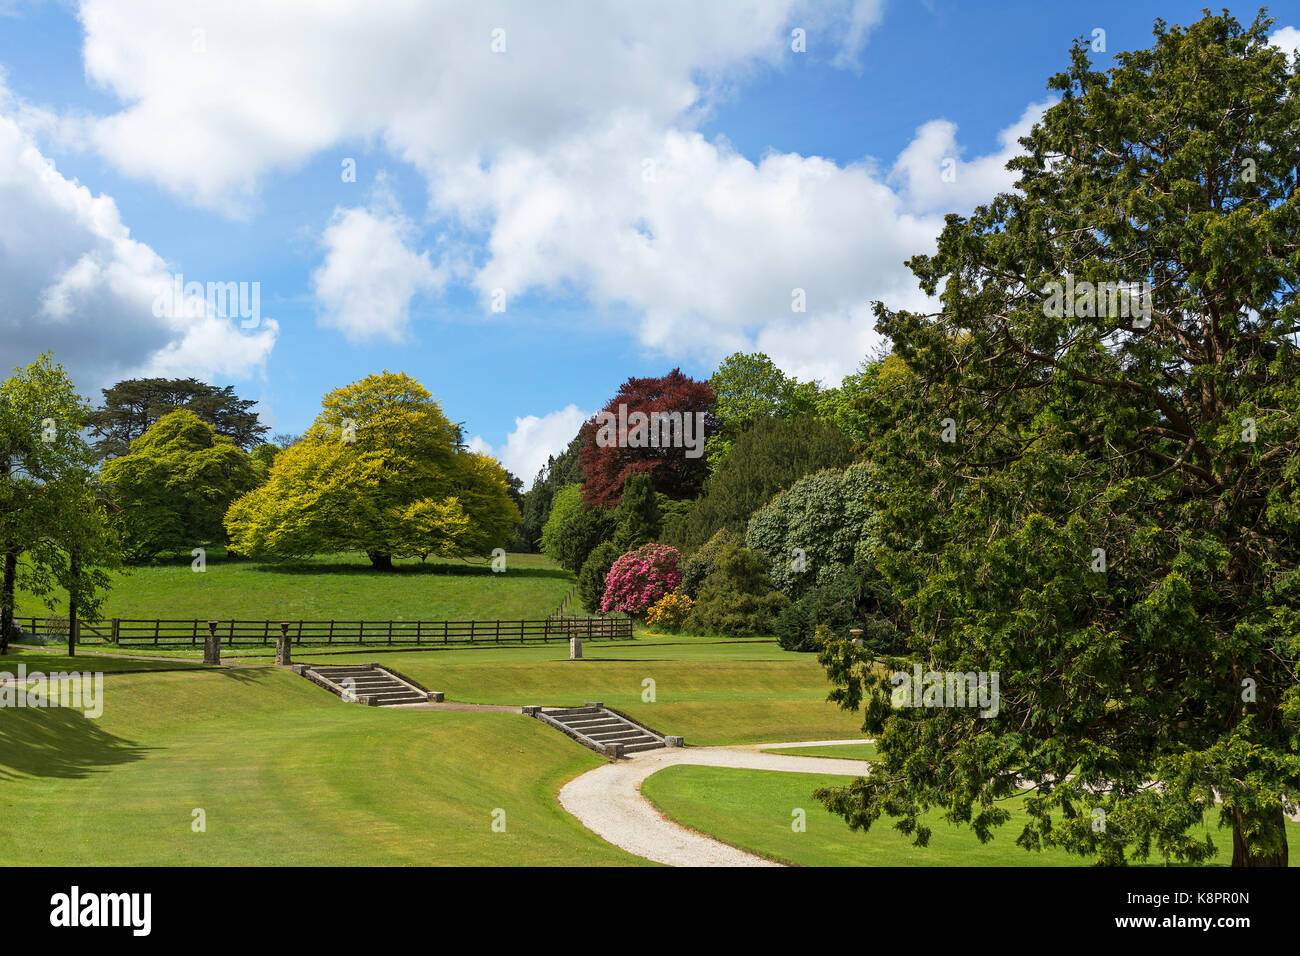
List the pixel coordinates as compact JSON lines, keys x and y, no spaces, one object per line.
{"x":1274,"y":821}
{"x":381,"y":560}
{"x":74,"y":586}
{"x":7,"y":598}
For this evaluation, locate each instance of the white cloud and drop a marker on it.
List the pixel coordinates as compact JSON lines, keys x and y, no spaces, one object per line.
{"x":934,"y":178}
{"x":710,"y":249}
{"x":535,"y":439}
{"x":217,"y":97}
{"x":369,"y":276}
{"x":74,"y":282}
{"x":543,"y":149}
{"x":1287,"y":38}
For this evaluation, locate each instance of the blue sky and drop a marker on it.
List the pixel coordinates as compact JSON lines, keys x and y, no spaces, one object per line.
{"x":644,"y":183}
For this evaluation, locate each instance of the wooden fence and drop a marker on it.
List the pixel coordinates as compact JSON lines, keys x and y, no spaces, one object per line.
{"x":162,"y":633}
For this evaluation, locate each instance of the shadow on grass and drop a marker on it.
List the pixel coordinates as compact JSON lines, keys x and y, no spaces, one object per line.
{"x":408,"y":570}
{"x":59,"y":742}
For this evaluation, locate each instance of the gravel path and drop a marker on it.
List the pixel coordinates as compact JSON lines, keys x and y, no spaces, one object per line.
{"x":608,"y":801}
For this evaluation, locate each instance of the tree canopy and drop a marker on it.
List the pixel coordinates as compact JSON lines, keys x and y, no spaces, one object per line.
{"x":675,"y":470}
{"x":380,"y":470}
{"x":173,"y":486}
{"x":749,"y":389}
{"x":767,"y":458}
{"x":132,"y":406}
{"x":1099,"y":499}
{"x":49,"y":506}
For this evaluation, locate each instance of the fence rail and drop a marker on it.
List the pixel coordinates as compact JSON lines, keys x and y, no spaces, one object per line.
{"x":163,"y":633}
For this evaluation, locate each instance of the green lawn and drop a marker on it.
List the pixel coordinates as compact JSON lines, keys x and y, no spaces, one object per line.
{"x":287,"y":774}
{"x":709,"y":690}
{"x":332,"y":587}
{"x":753,"y":810}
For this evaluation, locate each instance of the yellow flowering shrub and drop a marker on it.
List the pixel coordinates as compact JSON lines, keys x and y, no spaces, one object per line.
{"x":669,"y":612}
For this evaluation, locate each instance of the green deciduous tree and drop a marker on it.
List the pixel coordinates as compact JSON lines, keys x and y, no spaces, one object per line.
{"x":591,"y":579}
{"x":750,"y":389}
{"x":379,"y":471}
{"x":560,"y":470}
{"x":565,"y":503}
{"x":173,"y":486}
{"x":1097,"y":497}
{"x":49,"y":509}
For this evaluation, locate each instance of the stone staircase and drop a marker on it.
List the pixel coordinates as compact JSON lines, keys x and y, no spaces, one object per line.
{"x":603,"y":730}
{"x":368,"y":684}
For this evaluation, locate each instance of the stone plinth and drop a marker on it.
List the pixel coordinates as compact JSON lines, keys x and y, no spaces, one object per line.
{"x":211,"y":645}
{"x":282,"y":652}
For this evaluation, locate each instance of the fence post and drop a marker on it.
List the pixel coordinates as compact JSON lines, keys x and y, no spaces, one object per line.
{"x":117,"y":626}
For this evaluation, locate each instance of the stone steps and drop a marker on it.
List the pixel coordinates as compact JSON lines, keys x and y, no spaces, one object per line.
{"x":602,"y":730}
{"x":368,"y":684}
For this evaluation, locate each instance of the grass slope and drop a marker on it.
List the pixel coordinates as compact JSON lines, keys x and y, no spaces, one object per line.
{"x":332,"y":587}
{"x":708,"y":690}
{"x":287,"y":775}
{"x":753,"y":810}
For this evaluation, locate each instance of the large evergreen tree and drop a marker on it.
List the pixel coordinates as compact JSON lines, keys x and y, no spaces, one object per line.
{"x":1102,"y":504}
{"x":132,"y":406}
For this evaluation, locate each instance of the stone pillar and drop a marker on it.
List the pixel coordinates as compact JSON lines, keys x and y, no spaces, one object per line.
{"x":673,"y":742}
{"x":532,"y":710}
{"x":856,"y":633}
{"x":614,"y":750}
{"x":211,"y":645}
{"x":282,"y":655}
{"x":575,"y":647}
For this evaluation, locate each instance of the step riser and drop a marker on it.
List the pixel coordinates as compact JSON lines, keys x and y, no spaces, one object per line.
{"x":601,"y":730}
{"x":372,"y":685}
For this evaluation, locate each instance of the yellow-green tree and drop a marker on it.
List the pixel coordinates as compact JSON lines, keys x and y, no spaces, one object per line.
{"x":381,"y":470}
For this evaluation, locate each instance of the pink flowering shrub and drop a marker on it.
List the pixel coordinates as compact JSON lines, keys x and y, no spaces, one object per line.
{"x":639,"y":578}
